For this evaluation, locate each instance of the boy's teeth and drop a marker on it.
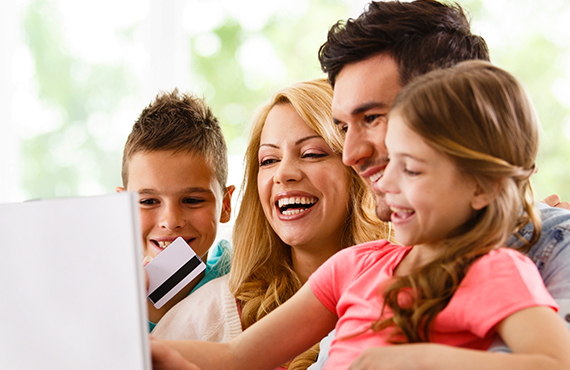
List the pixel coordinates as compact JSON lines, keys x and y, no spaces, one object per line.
{"x":295,"y":200}
{"x":164,"y":244}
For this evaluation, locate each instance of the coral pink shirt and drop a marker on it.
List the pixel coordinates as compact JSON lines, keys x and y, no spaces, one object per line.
{"x":496,"y":285}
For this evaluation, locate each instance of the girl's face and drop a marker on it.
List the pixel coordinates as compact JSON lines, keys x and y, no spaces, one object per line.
{"x":303,"y":185}
{"x":427,"y":194}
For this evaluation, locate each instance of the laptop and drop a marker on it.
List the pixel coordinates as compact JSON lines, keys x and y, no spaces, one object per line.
{"x":72,"y":285}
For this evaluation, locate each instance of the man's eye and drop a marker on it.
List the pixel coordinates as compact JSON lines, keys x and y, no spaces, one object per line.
{"x":342,"y":128}
{"x":371,"y":118}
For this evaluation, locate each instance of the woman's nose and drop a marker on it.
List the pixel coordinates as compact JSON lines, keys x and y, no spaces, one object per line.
{"x":287,"y":170}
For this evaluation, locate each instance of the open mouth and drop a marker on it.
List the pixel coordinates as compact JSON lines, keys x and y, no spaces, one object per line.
{"x":401,"y":213}
{"x":295,"y":205}
{"x":163,"y":243}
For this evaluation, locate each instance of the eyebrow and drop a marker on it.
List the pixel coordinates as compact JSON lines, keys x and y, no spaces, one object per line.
{"x":195,"y":189}
{"x":300,"y":141}
{"x":363,"y":108}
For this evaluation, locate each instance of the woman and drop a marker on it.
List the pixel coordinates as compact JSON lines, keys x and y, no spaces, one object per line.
{"x":299,"y":206}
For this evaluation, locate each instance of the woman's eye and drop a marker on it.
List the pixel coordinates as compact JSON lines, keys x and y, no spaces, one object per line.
{"x":315,"y":155}
{"x":267,"y":162}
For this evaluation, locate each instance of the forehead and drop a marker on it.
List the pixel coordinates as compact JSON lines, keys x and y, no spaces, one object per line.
{"x":401,"y":140}
{"x":284,"y":123}
{"x":170,"y":170}
{"x":373,"y":80}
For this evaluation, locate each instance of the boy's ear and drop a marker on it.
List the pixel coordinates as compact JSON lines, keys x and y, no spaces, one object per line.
{"x":119,"y":189}
{"x":482,"y":198}
{"x":227,"y":204}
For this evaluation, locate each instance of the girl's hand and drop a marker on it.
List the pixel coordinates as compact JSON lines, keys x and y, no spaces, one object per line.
{"x":166,"y":358}
{"x":397,"y":357}
{"x":554,"y":201}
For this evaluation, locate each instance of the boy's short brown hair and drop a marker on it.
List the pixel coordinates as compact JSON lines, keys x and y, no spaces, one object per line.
{"x":178,"y":121}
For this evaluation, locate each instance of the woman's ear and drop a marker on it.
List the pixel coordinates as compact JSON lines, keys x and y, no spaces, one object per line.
{"x":482,"y":198}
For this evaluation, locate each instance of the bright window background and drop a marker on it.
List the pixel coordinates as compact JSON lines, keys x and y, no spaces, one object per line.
{"x":74,"y":75}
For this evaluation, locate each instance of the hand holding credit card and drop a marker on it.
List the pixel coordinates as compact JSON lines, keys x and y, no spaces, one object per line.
{"x":171,"y":271}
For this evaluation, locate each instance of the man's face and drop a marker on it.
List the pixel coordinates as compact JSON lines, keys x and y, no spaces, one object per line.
{"x":363,"y":95}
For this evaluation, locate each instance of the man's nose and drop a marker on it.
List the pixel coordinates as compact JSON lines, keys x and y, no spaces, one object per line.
{"x":357,"y":148}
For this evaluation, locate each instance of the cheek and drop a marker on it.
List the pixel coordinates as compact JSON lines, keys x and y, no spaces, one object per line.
{"x":264,"y":191}
{"x":147,"y":221}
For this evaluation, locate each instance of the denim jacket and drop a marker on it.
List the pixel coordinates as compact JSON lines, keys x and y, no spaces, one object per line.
{"x":551,"y":254}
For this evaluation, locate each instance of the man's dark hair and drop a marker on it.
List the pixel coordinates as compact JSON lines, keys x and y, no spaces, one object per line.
{"x":178,"y":122}
{"x":421,"y":36}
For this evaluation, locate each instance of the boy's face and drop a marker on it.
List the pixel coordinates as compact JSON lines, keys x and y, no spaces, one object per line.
{"x":179,"y":195}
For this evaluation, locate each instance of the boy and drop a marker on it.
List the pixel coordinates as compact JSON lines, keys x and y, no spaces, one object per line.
{"x":176,"y":159}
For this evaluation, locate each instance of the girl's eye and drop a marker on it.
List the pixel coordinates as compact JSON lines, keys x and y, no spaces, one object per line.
{"x":148,"y":202}
{"x":410,"y":173}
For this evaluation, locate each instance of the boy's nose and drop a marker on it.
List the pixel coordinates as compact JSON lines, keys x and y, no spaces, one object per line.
{"x":172,"y":219}
{"x":287,"y":170}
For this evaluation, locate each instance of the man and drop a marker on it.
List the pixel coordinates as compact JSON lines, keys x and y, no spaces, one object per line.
{"x":369,"y":59}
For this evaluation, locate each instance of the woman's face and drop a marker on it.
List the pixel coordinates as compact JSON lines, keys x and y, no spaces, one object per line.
{"x":303,"y":185}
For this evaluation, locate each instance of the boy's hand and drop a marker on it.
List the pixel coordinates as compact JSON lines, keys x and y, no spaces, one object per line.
{"x":165,"y":358}
{"x":146,"y":261}
{"x":554,"y":201}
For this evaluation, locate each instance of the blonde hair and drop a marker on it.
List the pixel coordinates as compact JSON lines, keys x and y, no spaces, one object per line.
{"x":261,"y":276}
{"x":482,"y":118}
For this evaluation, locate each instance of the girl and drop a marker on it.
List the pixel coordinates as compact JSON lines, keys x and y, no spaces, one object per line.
{"x":462,"y":146}
{"x":294,"y":153}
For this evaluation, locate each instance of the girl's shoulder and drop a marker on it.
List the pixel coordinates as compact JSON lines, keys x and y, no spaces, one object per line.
{"x":505,"y":257}
{"x":371,"y":251}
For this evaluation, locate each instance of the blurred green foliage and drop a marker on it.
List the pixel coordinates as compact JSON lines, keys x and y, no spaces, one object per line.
{"x":57,"y":162}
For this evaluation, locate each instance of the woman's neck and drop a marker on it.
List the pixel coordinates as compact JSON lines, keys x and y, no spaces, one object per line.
{"x":307,"y":260}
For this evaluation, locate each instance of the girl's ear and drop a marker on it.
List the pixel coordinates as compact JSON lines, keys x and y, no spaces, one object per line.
{"x":482,"y":198}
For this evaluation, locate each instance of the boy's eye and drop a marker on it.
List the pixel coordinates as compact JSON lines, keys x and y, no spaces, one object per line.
{"x":193,"y":200}
{"x":148,"y":202}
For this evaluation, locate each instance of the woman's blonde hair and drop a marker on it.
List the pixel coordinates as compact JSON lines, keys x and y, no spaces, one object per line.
{"x":261,"y":276}
{"x":482,"y":118}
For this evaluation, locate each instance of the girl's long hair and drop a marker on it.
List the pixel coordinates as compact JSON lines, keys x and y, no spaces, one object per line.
{"x":481,"y":117}
{"x":261,"y":275}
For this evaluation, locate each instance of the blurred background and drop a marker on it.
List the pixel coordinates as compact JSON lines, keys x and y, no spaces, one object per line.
{"x":74,"y":76}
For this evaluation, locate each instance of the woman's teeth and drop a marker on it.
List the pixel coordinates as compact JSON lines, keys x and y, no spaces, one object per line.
{"x":295,"y":201}
{"x":294,"y":205}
